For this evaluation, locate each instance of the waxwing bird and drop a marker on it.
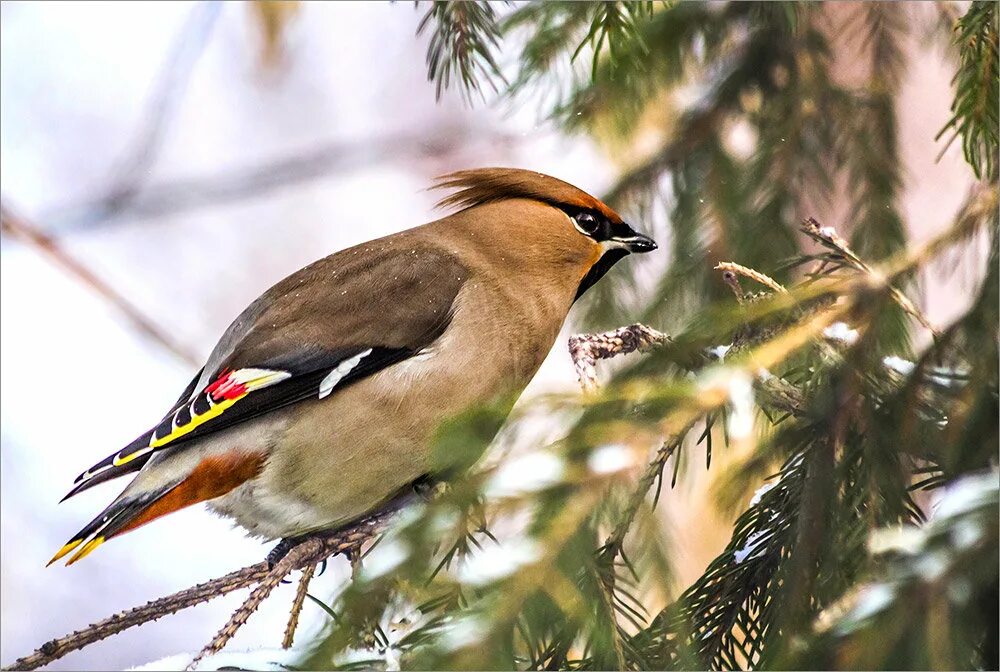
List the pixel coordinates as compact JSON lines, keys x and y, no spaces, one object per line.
{"x":320,"y":400}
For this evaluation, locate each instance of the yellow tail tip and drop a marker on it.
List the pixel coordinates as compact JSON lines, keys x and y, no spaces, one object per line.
{"x":86,"y":550}
{"x":64,"y":550}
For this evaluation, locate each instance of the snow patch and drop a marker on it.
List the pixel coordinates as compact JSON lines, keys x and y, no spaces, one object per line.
{"x":526,"y":474}
{"x":761,"y":491}
{"x":611,"y":459}
{"x":384,"y":558}
{"x":899,"y":365}
{"x":496,"y":562}
{"x":754,"y":543}
{"x":966,"y":494}
{"x":719,"y":351}
{"x":842,"y":333}
{"x":899,"y":539}
{"x":740,"y":421}
{"x":265,"y":659}
{"x":871,"y":600}
{"x":463,"y":632}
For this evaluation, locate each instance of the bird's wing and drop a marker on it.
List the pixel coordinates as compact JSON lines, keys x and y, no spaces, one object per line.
{"x":341,"y":319}
{"x":104,"y":471}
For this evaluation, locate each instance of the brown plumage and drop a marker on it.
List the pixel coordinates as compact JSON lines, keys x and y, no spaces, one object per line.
{"x":321,"y":399}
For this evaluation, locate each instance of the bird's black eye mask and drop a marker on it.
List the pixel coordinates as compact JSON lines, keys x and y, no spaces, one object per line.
{"x":596,"y":226}
{"x":618,"y":240}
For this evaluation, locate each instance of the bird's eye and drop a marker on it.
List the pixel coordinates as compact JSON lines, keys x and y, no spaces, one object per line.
{"x":586,"y":223}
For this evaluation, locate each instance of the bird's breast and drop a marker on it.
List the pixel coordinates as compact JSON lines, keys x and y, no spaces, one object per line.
{"x":346,"y":453}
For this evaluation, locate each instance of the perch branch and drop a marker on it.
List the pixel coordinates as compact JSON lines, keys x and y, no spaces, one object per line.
{"x":312,"y":550}
{"x":316,"y":549}
{"x":300,"y":598}
{"x":309,"y":548}
{"x":151,"y":611}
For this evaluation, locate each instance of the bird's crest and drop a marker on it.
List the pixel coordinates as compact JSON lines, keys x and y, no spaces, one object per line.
{"x":487,"y":185}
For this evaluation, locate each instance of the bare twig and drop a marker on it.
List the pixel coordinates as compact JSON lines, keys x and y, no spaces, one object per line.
{"x":586,"y":349}
{"x":20,"y":228}
{"x":300,"y":598}
{"x":739,"y":269}
{"x":827,"y":237}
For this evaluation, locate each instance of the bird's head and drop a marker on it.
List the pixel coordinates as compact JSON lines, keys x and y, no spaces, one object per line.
{"x":574,"y":226}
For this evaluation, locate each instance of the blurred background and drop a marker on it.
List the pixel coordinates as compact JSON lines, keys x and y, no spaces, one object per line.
{"x":164,"y":163}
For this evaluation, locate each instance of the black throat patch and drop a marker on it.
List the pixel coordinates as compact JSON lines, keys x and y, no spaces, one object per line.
{"x":597,"y":271}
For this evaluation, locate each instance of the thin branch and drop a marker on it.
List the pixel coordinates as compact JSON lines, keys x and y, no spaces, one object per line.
{"x":738,"y":269}
{"x":238,"y":184}
{"x":175,"y":72}
{"x":616,"y":540}
{"x":312,"y":550}
{"x":300,"y":598}
{"x":827,"y":237}
{"x":31,"y":235}
{"x":263,"y":590}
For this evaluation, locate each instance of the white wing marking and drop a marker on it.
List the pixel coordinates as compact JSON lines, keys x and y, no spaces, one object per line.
{"x":339,"y":371}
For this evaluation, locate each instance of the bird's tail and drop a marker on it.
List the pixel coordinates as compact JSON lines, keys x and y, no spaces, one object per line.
{"x":213,"y":477}
{"x":124,"y":514}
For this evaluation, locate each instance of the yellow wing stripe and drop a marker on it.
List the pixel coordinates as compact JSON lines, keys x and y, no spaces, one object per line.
{"x":196,"y":421}
{"x":252,"y":379}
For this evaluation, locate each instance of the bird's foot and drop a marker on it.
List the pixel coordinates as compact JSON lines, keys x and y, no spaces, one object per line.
{"x":281,"y":550}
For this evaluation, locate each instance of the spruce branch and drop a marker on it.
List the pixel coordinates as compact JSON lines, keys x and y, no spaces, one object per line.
{"x":753,"y":274}
{"x":464,"y":38}
{"x":57,"y":648}
{"x":974,"y":111}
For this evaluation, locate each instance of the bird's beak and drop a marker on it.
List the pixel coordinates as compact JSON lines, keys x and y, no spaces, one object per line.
{"x":635,"y":242}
